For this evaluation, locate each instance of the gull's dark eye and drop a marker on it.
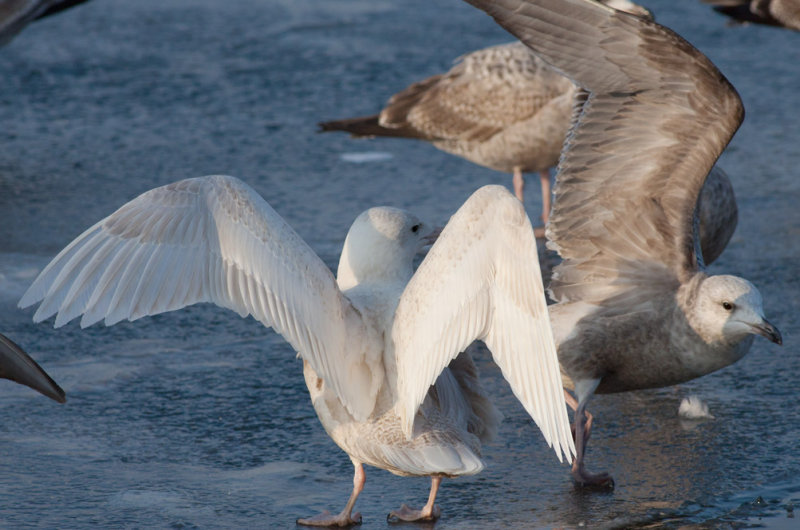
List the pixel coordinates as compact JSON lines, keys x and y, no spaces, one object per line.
{"x":727,"y":306}
{"x":415,"y":228}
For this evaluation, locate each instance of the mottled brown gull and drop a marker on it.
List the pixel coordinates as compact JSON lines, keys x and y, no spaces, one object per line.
{"x":635,"y":306}
{"x":500,"y":107}
{"x":380,"y":343}
{"x":18,"y":366}
{"x":783,"y":13}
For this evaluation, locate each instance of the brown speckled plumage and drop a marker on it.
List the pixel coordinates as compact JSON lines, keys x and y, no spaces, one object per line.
{"x":501,"y":107}
{"x":635,"y":307}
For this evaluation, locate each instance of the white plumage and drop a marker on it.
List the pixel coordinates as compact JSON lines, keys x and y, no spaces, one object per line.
{"x":373,"y":342}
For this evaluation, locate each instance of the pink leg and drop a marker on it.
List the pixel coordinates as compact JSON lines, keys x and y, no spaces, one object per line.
{"x":429,"y":512}
{"x":519,"y":184}
{"x":582,"y":430}
{"x":344,"y":518}
{"x":544,"y":176}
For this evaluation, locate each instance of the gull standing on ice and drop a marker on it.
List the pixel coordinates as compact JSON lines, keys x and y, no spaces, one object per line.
{"x":380,"y":343}
{"x":635,"y":306}
{"x":18,"y":366}
{"x":500,"y":107}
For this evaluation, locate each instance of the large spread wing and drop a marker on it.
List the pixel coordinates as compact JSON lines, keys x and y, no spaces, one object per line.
{"x":210,"y":239}
{"x":18,"y":366}
{"x":657,"y":115}
{"x":486,"y":92}
{"x":481,"y":281}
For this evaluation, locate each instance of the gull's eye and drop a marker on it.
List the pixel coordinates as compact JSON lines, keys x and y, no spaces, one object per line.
{"x":727,"y":306}
{"x":415,"y":228}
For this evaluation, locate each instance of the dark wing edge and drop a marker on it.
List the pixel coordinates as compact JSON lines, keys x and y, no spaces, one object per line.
{"x":18,"y":366}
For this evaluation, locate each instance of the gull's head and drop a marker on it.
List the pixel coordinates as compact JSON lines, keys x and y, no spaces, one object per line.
{"x":731,"y":309}
{"x":381,"y":245}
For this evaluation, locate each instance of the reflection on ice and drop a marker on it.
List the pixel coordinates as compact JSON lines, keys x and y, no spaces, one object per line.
{"x":164,"y":501}
{"x":363,"y":158}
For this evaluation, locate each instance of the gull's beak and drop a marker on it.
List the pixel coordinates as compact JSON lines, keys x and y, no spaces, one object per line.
{"x":768,"y":331}
{"x":431,"y":238}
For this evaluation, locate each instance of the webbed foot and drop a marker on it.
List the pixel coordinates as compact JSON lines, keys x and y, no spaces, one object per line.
{"x":326,"y":519}
{"x":408,"y":514}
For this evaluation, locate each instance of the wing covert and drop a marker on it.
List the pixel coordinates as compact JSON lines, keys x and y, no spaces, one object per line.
{"x":484,"y":93}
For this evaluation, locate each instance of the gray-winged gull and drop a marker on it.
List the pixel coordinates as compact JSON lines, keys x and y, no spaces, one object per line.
{"x":18,"y":366}
{"x":635,"y":306}
{"x":500,"y":107}
{"x":782,"y":13}
{"x":380,"y":343}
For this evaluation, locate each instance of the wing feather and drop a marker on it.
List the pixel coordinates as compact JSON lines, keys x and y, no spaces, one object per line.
{"x":487,"y":91}
{"x":211,"y":239}
{"x":481,"y":281}
{"x":658,"y":115}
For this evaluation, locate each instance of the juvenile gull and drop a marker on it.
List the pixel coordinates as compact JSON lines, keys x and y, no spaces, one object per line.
{"x":18,"y":366}
{"x":373,"y":340}
{"x":500,"y":107}
{"x":783,"y":13}
{"x":635,"y":306}
{"x":16,"y":14}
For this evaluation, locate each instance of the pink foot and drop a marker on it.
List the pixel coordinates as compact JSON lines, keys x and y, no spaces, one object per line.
{"x":326,"y":519}
{"x":410,"y":514}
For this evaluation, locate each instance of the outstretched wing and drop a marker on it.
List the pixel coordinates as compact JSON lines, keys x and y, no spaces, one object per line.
{"x":657,"y":116}
{"x":18,"y":366}
{"x":481,"y":281}
{"x":209,"y":239}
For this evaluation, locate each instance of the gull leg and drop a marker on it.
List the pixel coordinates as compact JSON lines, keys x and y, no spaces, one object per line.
{"x":519,"y":184}
{"x":544,"y":176}
{"x":582,"y":430}
{"x":429,"y":512}
{"x":344,"y":518}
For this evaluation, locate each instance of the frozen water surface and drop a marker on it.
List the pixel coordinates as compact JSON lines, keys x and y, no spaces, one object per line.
{"x":199,"y":418}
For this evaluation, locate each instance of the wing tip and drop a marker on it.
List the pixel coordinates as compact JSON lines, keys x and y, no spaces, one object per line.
{"x":30,"y":297}
{"x":406,"y":421}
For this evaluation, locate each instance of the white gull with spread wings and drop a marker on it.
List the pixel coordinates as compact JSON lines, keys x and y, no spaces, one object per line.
{"x":373,"y":340}
{"x":635,"y":306}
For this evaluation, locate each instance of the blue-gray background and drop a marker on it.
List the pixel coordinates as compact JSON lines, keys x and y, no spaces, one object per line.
{"x":200,"y":418}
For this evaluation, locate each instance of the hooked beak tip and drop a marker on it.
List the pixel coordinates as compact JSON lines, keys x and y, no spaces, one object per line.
{"x":769,"y":332}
